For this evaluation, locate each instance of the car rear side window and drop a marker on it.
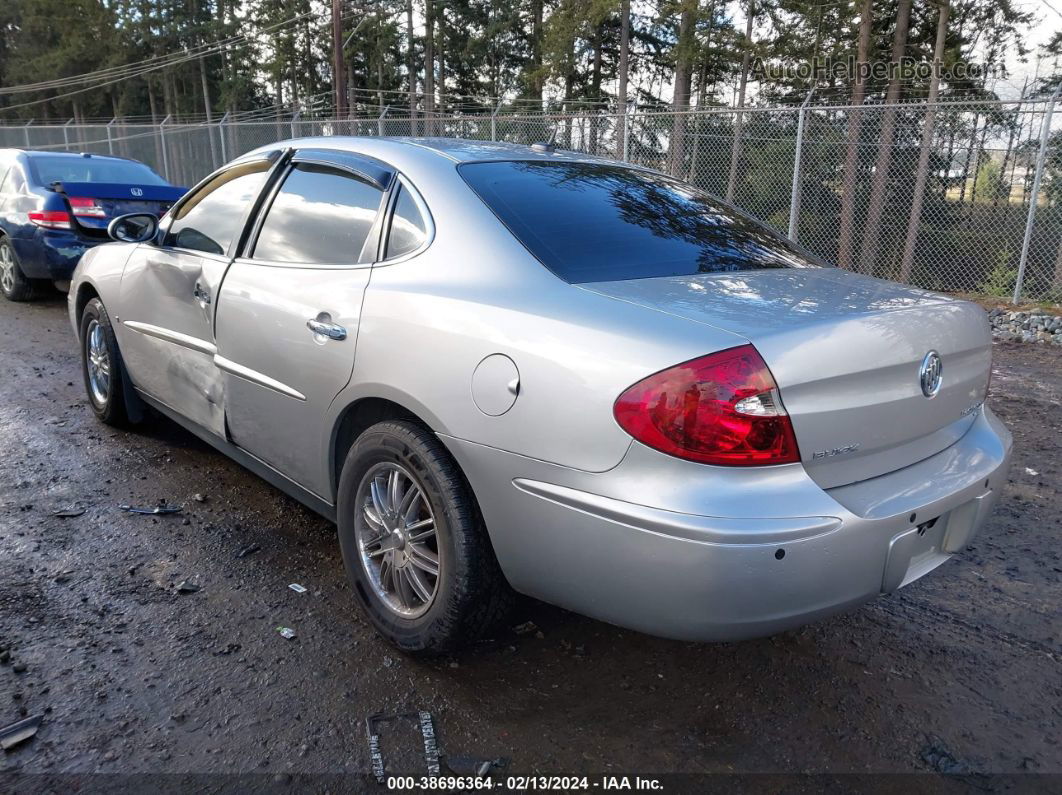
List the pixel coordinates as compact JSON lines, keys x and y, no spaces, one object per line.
{"x":590,"y":222}
{"x":409,"y":230}
{"x":321,"y":215}
{"x":209,"y":219}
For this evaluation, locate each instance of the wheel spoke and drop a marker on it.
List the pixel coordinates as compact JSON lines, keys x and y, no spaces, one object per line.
{"x":424,"y":559}
{"x":409,"y":500}
{"x":393,"y":486}
{"x":372,"y":516}
{"x":417,"y":583}
{"x":378,"y":499}
{"x":420,"y":531}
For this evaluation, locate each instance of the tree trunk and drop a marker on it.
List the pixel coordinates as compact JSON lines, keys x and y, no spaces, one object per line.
{"x":537,"y":83}
{"x":851,"y":155}
{"x":595,"y":90}
{"x":927,"y":142}
{"x":685,"y":48}
{"x":411,"y":67}
{"x":880,"y":185}
{"x":624,"y":66}
{"x":429,"y":65}
{"x":441,"y":56}
{"x":739,"y":121}
{"x":970,"y":159}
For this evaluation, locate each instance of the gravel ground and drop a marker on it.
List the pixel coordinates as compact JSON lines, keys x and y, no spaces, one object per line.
{"x":958,"y":673}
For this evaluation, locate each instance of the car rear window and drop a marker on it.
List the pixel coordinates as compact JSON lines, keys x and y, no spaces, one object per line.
{"x":590,"y":222}
{"x":48,"y":169}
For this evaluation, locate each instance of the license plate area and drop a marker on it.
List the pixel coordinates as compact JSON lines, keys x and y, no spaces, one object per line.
{"x":915,"y":552}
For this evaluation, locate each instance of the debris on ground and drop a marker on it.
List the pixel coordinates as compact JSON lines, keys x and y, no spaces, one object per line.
{"x":157,"y":510}
{"x":186,"y":586}
{"x":412,"y":745}
{"x":462,"y":765}
{"x":69,"y":513}
{"x":19,"y":732}
{"x":297,"y":588}
{"x":199,"y":497}
{"x":286,"y":632}
{"x":527,"y":628}
{"x":938,"y":757}
{"x":1031,"y":471}
{"x":250,"y":549}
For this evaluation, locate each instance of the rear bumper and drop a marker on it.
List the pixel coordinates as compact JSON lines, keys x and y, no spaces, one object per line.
{"x":50,"y":254}
{"x":735,"y":554}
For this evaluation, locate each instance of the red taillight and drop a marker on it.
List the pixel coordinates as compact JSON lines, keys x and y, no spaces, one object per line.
{"x":86,"y":207}
{"x":51,"y":219}
{"x":722,"y":409}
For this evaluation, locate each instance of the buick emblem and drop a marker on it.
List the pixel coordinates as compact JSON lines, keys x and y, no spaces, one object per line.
{"x":137,"y":191}
{"x":929,"y":377}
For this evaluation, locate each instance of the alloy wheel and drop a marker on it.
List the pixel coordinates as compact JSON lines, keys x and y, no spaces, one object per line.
{"x":98,"y":361}
{"x":396,"y":535}
{"x":7,"y":269}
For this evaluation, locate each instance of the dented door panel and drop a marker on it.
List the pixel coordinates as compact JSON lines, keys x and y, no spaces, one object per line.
{"x":166,"y":331}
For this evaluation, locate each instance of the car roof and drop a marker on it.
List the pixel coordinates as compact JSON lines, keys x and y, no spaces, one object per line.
{"x":454,"y":150}
{"x":53,"y":153}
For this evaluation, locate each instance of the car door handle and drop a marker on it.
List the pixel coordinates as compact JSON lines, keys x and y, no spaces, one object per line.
{"x":200,"y":294}
{"x":331,"y":330}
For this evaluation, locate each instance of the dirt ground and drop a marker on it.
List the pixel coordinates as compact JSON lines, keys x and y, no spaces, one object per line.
{"x":958,"y":673}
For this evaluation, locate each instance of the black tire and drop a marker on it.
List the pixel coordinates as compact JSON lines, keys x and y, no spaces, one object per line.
{"x":14,"y":284}
{"x":471,"y":594}
{"x":111,"y":409}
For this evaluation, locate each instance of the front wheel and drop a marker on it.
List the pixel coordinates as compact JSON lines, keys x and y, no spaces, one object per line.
{"x":416,"y":552}
{"x":101,"y":365}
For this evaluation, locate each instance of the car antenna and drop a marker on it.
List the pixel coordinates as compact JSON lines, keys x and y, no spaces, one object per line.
{"x":549,"y":146}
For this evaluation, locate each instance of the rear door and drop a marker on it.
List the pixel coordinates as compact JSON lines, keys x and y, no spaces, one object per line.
{"x":288,"y":312}
{"x":169,"y":291}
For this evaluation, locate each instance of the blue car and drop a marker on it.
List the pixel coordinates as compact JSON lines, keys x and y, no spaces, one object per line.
{"x":56,"y":205}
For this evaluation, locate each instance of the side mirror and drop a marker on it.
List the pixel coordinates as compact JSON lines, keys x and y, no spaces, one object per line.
{"x":133,"y":228}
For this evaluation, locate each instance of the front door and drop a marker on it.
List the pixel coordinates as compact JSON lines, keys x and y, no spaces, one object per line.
{"x":168,"y":297}
{"x":288,"y":313}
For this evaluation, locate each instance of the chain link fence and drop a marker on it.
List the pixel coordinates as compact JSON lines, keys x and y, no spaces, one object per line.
{"x":961,"y":197}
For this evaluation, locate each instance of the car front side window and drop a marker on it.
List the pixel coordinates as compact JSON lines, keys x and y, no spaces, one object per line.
{"x":209,"y":220}
{"x":321,"y":215}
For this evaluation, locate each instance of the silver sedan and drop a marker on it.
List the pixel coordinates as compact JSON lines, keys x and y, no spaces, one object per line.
{"x":511,"y":369}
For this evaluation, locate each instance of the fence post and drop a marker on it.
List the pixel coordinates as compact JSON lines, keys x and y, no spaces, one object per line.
{"x":165,"y":154}
{"x":494,"y":122}
{"x":25,"y":132}
{"x":379,"y":121}
{"x":294,"y":120}
{"x":66,"y":135}
{"x":1030,"y":222}
{"x":221,"y":134}
{"x":627,"y":119}
{"x":794,"y":199}
{"x":110,"y":140}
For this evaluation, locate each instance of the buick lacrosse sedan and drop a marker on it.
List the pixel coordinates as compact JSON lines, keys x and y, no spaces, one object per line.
{"x":503,"y":368}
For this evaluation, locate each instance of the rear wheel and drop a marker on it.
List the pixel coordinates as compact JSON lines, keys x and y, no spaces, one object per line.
{"x":101,"y":365}
{"x":415,"y":548}
{"x":13,"y":283}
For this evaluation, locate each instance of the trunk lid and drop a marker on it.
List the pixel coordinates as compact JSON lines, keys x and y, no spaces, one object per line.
{"x":846,"y":351}
{"x":118,"y":199}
